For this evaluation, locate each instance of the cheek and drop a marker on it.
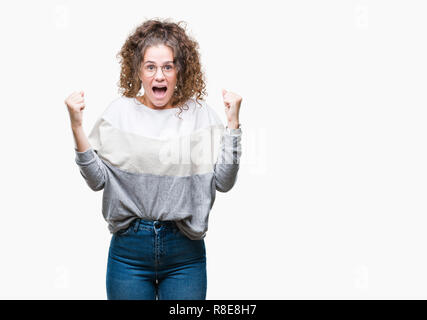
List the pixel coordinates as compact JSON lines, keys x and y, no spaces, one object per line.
{"x":145,"y":84}
{"x":174,"y":81}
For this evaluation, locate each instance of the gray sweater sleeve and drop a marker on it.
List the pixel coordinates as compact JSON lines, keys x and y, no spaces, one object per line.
{"x":227,"y":165}
{"x":91,"y":168}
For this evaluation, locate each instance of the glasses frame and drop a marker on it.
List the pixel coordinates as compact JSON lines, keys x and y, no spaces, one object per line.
{"x":157,"y":67}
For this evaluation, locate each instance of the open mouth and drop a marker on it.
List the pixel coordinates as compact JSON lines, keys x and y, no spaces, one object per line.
{"x":159,"y":92}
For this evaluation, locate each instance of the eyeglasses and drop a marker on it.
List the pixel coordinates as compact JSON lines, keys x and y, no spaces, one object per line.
{"x":150,"y":69}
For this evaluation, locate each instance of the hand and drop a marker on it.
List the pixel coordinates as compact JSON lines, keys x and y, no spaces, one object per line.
{"x":232,"y":103}
{"x":75,"y":104}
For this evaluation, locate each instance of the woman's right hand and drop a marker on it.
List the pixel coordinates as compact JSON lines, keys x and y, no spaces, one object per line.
{"x":75,"y":104}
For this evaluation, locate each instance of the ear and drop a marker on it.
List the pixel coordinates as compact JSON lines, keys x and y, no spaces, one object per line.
{"x":224,"y":92}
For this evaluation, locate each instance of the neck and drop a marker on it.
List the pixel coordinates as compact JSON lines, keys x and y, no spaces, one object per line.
{"x":148,"y":103}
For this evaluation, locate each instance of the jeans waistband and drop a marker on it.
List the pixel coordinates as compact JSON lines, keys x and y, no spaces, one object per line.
{"x":154,"y":222}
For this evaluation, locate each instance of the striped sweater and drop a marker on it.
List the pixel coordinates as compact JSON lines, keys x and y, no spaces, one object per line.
{"x":155,"y":165}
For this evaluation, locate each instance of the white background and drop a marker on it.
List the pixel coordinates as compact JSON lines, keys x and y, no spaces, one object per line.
{"x":331,"y":195}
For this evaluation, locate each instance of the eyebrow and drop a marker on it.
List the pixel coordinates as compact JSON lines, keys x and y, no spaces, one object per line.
{"x":154,"y":62}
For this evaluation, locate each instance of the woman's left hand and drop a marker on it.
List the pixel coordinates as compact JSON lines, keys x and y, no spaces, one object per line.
{"x":232,"y":103}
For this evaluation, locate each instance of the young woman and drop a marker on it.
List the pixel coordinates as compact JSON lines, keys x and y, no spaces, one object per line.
{"x":159,"y":169}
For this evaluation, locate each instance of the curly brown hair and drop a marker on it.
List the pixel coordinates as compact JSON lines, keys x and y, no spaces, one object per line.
{"x":190,"y":78}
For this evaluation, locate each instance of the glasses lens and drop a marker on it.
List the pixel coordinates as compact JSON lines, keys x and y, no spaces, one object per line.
{"x":149,"y":70}
{"x":168,"y":69}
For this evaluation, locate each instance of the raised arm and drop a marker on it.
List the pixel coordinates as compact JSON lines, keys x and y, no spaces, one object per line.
{"x":228,"y":162}
{"x":90,"y":165}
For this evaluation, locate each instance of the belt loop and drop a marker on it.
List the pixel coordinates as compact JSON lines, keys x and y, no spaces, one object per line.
{"x":136,"y":225}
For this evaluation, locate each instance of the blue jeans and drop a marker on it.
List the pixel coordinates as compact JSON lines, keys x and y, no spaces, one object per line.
{"x":154,"y":260}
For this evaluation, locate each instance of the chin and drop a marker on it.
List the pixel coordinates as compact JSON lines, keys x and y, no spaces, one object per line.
{"x":160,"y":102}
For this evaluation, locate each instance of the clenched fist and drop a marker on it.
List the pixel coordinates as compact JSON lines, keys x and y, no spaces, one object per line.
{"x":232,"y":102}
{"x":75,"y":103}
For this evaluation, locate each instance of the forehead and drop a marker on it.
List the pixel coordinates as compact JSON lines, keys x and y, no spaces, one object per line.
{"x":160,"y":54}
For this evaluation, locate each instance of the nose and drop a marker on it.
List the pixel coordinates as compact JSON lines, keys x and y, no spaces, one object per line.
{"x":159,"y":74}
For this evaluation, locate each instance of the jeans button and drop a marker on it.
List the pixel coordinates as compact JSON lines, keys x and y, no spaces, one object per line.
{"x":157,"y":224}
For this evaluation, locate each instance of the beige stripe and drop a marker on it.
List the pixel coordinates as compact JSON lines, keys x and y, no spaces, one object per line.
{"x":181,"y":156}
